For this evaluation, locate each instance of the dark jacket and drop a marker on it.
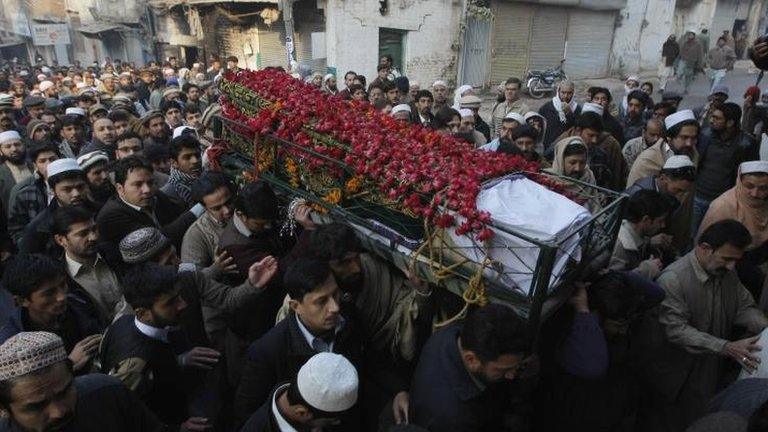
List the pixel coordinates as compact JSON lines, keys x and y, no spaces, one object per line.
{"x":482,"y":127}
{"x":80,"y":320}
{"x":715,"y":173}
{"x":554,"y":126}
{"x":116,"y":219}
{"x":613,"y":126}
{"x":278,"y":356}
{"x":28,"y":198}
{"x":445,"y":398}
{"x":103,"y":403}
{"x":670,"y":51}
{"x":164,"y":388}
{"x":37,"y":236}
{"x":262,"y":420}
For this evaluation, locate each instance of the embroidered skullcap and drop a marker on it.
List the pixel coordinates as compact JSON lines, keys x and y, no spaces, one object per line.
{"x":328,"y":382}
{"x":516,"y":117}
{"x":45,"y":85}
{"x":9,"y":136}
{"x":75,"y":111}
{"x":439,"y":83}
{"x":142,"y":245}
{"x":401,"y":108}
{"x":674,"y":119}
{"x":88,"y":160}
{"x":633,"y":78}
{"x":676,"y":162}
{"x":464,"y":112}
{"x":470,"y":101}
{"x":63,"y":165}
{"x":752,"y":167}
{"x":592,"y":107}
{"x":6,"y":100}
{"x":27,"y":352}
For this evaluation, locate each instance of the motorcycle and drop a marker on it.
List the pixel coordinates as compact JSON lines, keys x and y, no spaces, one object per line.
{"x":540,"y":83}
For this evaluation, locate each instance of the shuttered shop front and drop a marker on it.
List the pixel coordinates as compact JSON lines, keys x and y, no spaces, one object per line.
{"x":271,"y":49}
{"x":510,"y":40}
{"x":589,"y":43}
{"x":533,"y":37}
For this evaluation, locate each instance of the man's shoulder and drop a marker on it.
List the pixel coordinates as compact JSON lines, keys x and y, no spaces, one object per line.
{"x":113,"y":207}
{"x":98,"y":384}
{"x":268,"y":344}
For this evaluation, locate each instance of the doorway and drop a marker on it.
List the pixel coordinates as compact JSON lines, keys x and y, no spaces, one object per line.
{"x":392,"y":42}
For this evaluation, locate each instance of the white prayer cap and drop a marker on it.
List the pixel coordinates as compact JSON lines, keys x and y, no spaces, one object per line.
{"x":677,"y":161}
{"x":673,"y":119}
{"x":463,"y":89}
{"x":9,"y":136}
{"x":23,"y":73}
{"x":63,"y":165}
{"x":414,"y":84}
{"x":633,"y":78}
{"x":592,"y":107}
{"x":752,"y":167}
{"x":531,"y":114}
{"x":27,"y":352}
{"x":45,"y":85}
{"x":464,"y":112}
{"x":196,"y":65}
{"x":690,"y":30}
{"x":439,"y":83}
{"x":328,"y":382}
{"x":80,"y":85}
{"x":516,"y":117}
{"x":400,"y":108}
{"x":180,"y":131}
{"x":41,"y":77}
{"x":45,"y":69}
{"x":75,"y":111}
{"x":328,"y":76}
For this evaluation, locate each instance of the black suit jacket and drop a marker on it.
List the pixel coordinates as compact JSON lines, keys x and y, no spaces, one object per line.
{"x":277,"y":357}
{"x":116,"y":219}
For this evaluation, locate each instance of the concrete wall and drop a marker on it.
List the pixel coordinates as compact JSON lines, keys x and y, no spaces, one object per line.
{"x":696,"y":17}
{"x":352,"y":36}
{"x":643,"y":27}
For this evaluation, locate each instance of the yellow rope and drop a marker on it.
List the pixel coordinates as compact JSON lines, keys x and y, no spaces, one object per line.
{"x":475,"y":292}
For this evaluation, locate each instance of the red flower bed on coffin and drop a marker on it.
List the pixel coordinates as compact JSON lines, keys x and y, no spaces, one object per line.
{"x":417,"y":166}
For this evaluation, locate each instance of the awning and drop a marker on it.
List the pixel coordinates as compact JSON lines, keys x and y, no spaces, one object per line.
{"x":96,"y":29}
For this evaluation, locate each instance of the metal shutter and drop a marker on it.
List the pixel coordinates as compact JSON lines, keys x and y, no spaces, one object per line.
{"x":548,"y":37}
{"x":271,"y":48}
{"x":474,"y":55}
{"x":511,"y":34}
{"x":589,"y":43}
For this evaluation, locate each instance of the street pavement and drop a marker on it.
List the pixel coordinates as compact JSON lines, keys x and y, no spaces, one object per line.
{"x":737,"y":80}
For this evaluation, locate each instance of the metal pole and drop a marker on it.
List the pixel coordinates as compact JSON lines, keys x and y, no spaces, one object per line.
{"x":287,"y":7}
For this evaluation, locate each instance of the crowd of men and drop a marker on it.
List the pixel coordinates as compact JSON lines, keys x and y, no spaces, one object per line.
{"x":143,"y":290}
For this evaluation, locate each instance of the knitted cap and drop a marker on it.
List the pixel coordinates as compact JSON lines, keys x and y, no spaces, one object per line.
{"x":142,"y":245}
{"x":90,"y":159}
{"x":28,"y":352}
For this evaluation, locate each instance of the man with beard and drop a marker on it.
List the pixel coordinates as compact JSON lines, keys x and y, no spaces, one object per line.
{"x":186,"y":167}
{"x":461,"y":381}
{"x":722,"y":147}
{"x":31,"y":196}
{"x":72,"y":134}
{"x":602,"y":96}
{"x":48,"y":302}
{"x":95,"y":165}
{"x":682,"y":132}
{"x":40,"y":392}
{"x":103,"y":138}
{"x":632,"y":120}
{"x":154,"y":129}
{"x":68,"y":184}
{"x":467,"y":129}
{"x":393,"y":303}
{"x":652,"y":132}
{"x":523,"y":139}
{"x":560,"y":113}
{"x":34,"y":105}
{"x":7,"y":113}
{"x":14,"y":168}
{"x":440,"y":93}
{"x":696,"y":328}
{"x":142,"y":349}
{"x":510,"y":122}
{"x":193,"y":117}
{"x":193,"y":96}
